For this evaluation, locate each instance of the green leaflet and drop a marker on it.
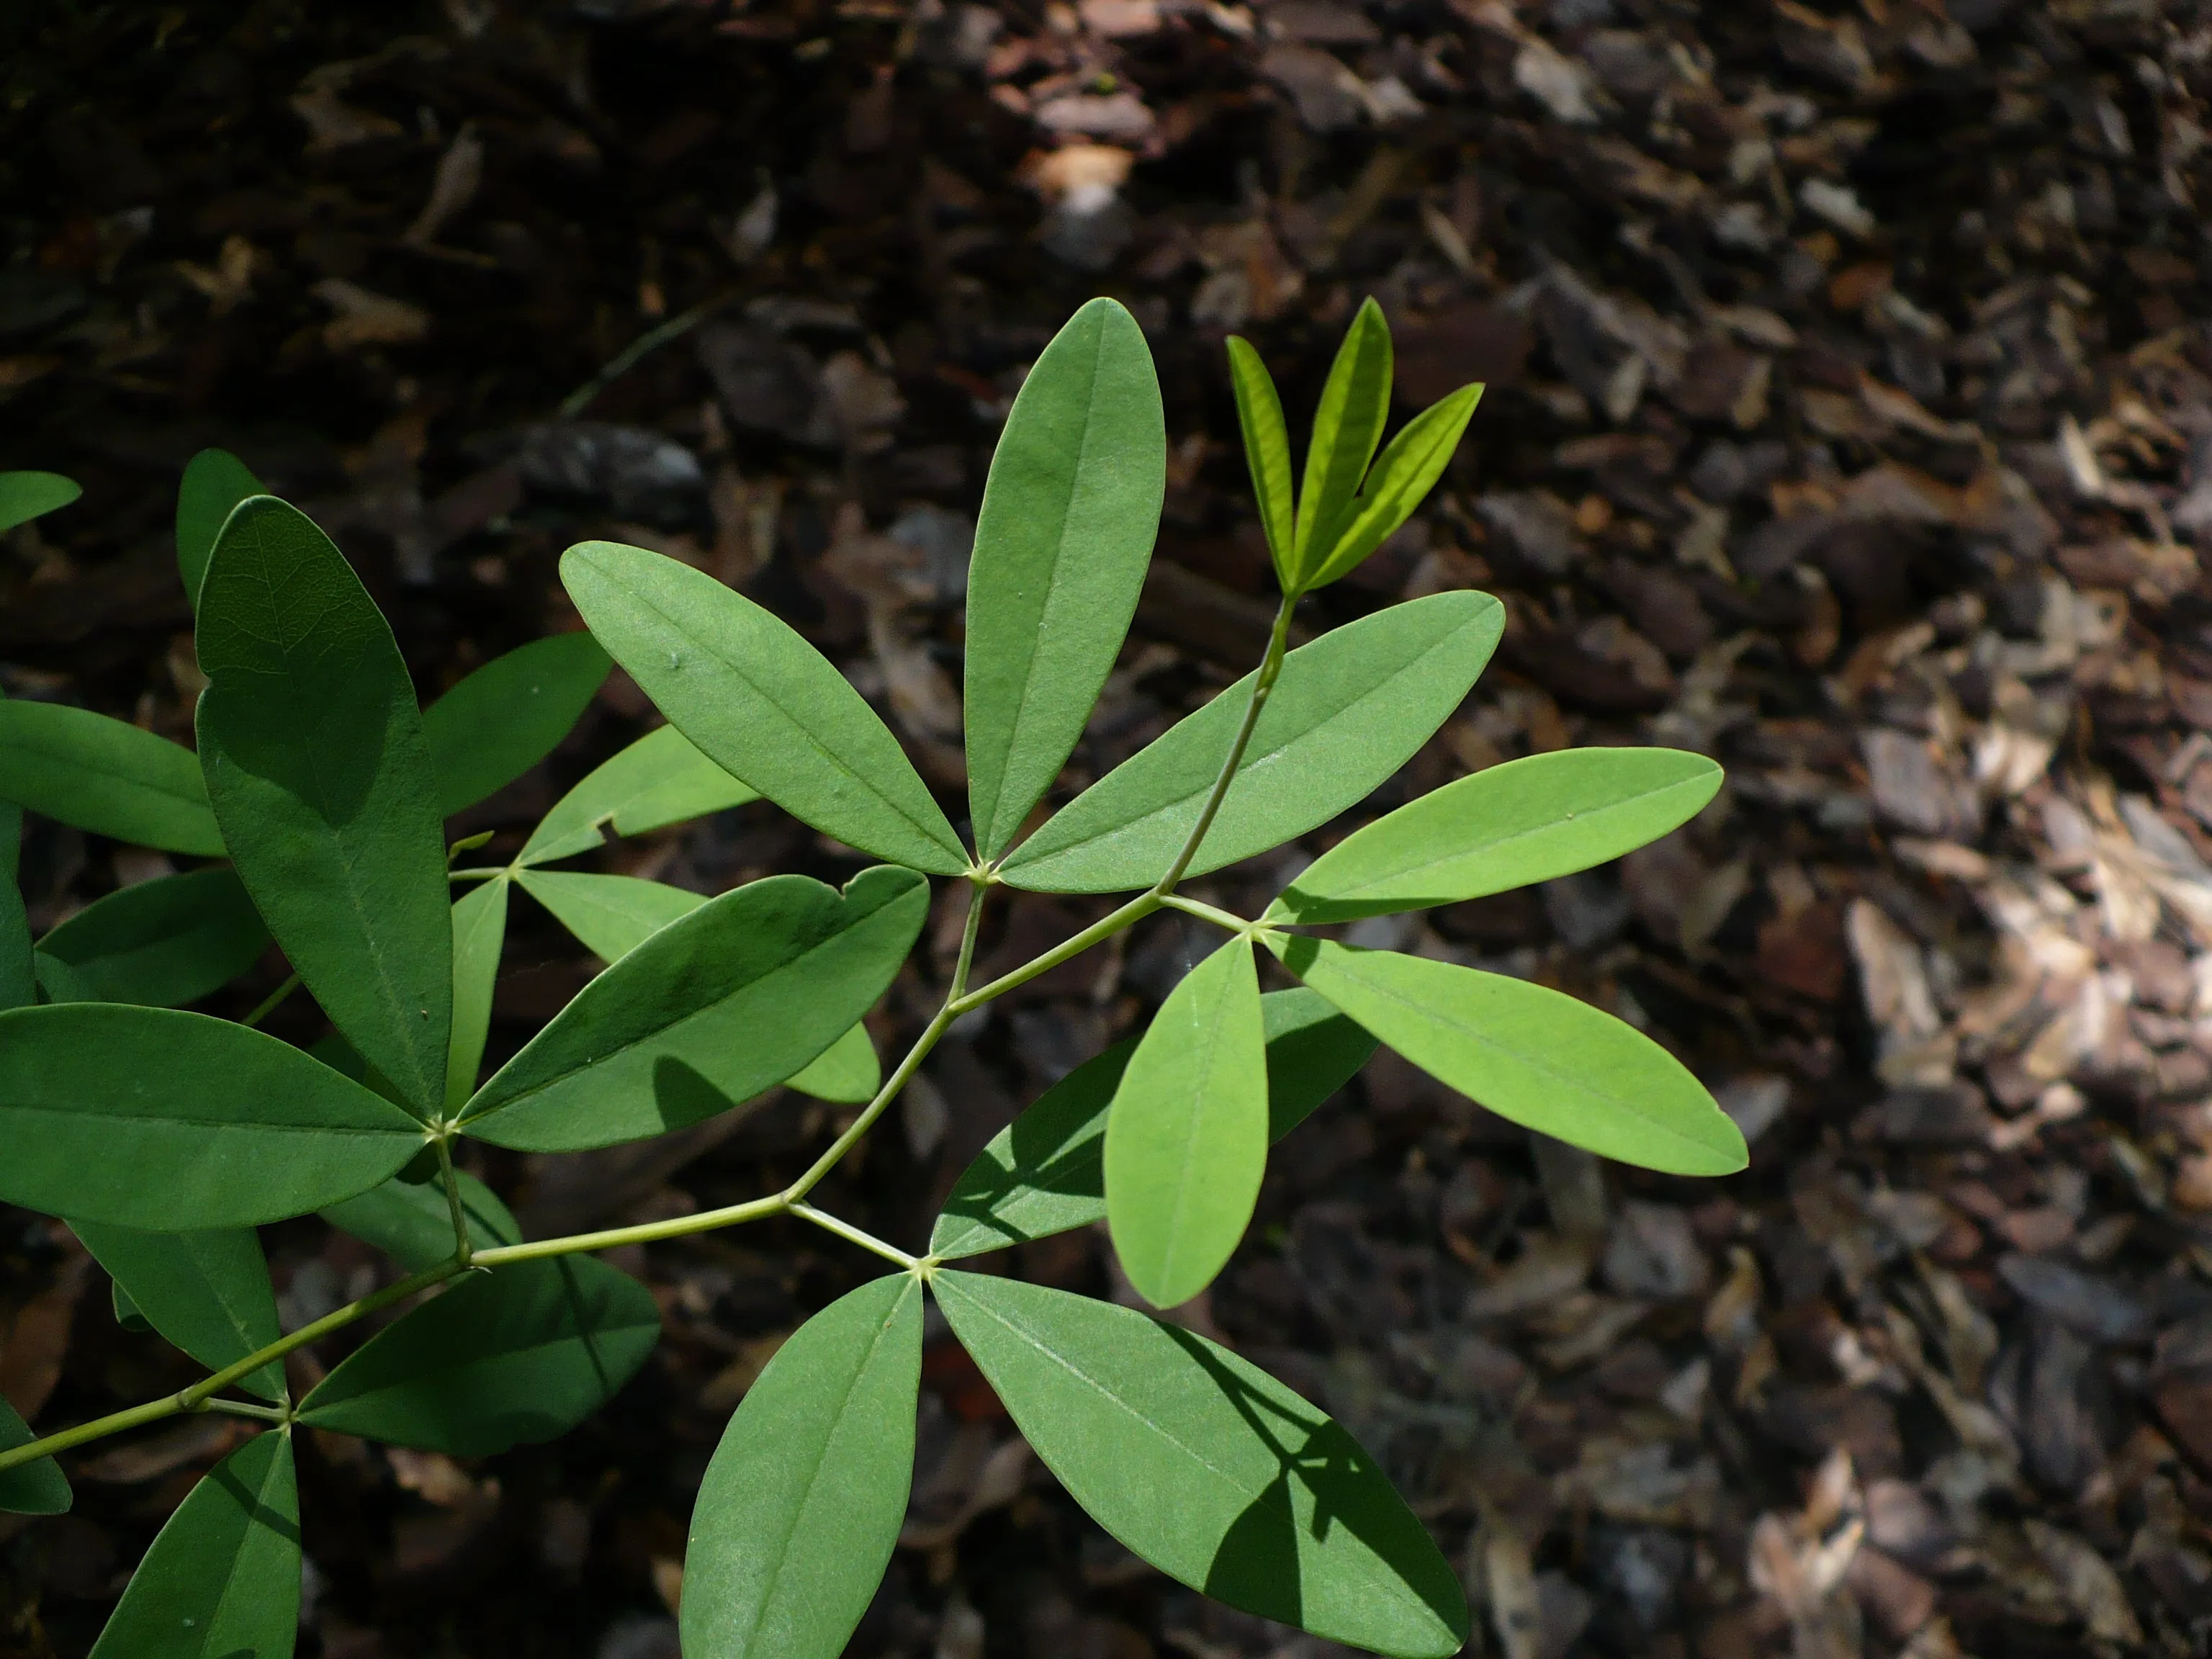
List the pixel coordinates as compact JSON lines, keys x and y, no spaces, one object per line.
{"x":103,"y":776}
{"x":215,"y":482}
{"x":1061,"y":544}
{"x":479,"y":935}
{"x":28,"y":495}
{"x":411,"y":1223}
{"x":509,"y":715}
{"x":661,"y":778}
{"x":611,"y":915}
{"x":1044,"y":1172}
{"x":34,"y":1488}
{"x":207,"y":1293}
{"x":761,"y":703}
{"x":1186,"y":1137}
{"x":163,"y":942}
{"x":801,"y":1506}
{"x":711,"y":1010}
{"x":1348,"y":424}
{"x":58,"y":981}
{"x":506,"y":1358}
{"x":1534,"y":1055}
{"x":1506,"y":826}
{"x":1348,"y":711}
{"x":241,"y":1128}
{"x":19,"y":976}
{"x":1408,"y":470}
{"x":1209,"y":1468}
{"x":316,"y":765}
{"x":126,"y":1311}
{"x":848,"y":1071}
{"x":222,"y":1578}
{"x":1266,"y":451}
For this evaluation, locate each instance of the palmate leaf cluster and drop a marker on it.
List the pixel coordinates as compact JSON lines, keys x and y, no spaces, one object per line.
{"x":317,"y":793}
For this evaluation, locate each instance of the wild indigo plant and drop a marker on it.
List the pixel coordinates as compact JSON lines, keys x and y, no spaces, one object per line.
{"x":317,"y":800}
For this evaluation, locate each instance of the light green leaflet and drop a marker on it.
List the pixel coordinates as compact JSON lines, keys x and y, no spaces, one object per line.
{"x":243,"y":1129}
{"x":28,"y":495}
{"x":761,"y":703}
{"x":848,"y":1071}
{"x":479,"y":933}
{"x":1529,"y":1054}
{"x":508,"y":715}
{"x":1186,"y":1139}
{"x":215,"y":482}
{"x":163,"y":942}
{"x":1354,"y":404}
{"x":1044,"y":1172}
{"x":410,"y":1222}
{"x":207,"y":1293}
{"x":1526,"y":821}
{"x":801,"y":1507}
{"x":103,"y":776}
{"x":659,"y":780}
{"x":612,"y":915}
{"x":222,"y":1578}
{"x":505,"y":1359}
{"x":708,"y":1011}
{"x":1209,"y":1468}
{"x":1347,"y":711}
{"x":1066,"y":531}
{"x":1266,"y":451}
{"x":316,"y":765}
{"x":1404,"y":474}
{"x":34,"y":1488}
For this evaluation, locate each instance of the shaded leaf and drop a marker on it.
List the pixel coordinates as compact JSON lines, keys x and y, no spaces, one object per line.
{"x":1312,"y":1052}
{"x":215,"y":482}
{"x":659,"y":780}
{"x":243,"y":1129}
{"x":1402,"y":478}
{"x":509,"y":715}
{"x":411,"y":1223}
{"x":207,"y":1293}
{"x":317,"y":769}
{"x":37,"y":1487}
{"x":19,"y":976}
{"x":611,"y":915}
{"x":1354,"y":403}
{"x":28,"y":495}
{"x":1061,"y":543}
{"x":505,"y":1359}
{"x":1526,"y":821}
{"x":58,"y":981}
{"x":761,"y":703}
{"x":711,"y":1010}
{"x":101,"y":774}
{"x":221,"y":1580}
{"x":1347,"y":711}
{"x":1266,"y":451}
{"x":801,"y":1507}
{"x":1209,"y":1468}
{"x":1535,"y":1055}
{"x":164,"y":943}
{"x":479,"y":936}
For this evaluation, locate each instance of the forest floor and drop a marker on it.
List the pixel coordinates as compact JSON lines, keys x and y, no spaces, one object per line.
{"x":1850,"y":419}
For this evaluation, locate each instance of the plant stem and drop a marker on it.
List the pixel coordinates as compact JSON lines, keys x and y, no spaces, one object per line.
{"x":845,"y":1230}
{"x":967,"y":941}
{"x":268,"y":1005}
{"x":464,"y":1246}
{"x":1069,"y":948}
{"x":1218,"y":917}
{"x":1263,"y":684}
{"x":651,"y":1232}
{"x":247,"y":1408}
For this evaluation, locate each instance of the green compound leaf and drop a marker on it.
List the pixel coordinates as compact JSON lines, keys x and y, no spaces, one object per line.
{"x":506,"y":1358}
{"x":173,"y":1122}
{"x":1348,"y":424}
{"x":163,"y":942}
{"x":1408,"y":470}
{"x":479,"y":936}
{"x":222,"y":1578}
{"x":34,"y":1488}
{"x":1044,"y":1173}
{"x":215,"y":482}
{"x":28,"y":495}
{"x":316,"y":765}
{"x":509,"y":715}
{"x":207,"y":1293}
{"x":410,"y":1222}
{"x":1066,"y":531}
{"x":801,"y":1507}
{"x":1506,"y":826}
{"x":761,"y":703}
{"x":659,"y":780}
{"x":1347,"y":711}
{"x":1187,"y":1138}
{"x":711,"y":1010}
{"x":610,"y":915}
{"x":103,"y":776}
{"x":1266,"y":451}
{"x":1209,"y":1468}
{"x":1529,"y":1054}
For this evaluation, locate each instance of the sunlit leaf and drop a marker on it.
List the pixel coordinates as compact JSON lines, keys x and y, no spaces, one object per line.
{"x":164,"y":943}
{"x":847,"y":1071}
{"x":509,"y":715}
{"x":215,"y":482}
{"x":1354,"y":404}
{"x":412,"y":1223}
{"x":207,"y":1293}
{"x":103,"y":776}
{"x":1402,"y":477}
{"x":659,"y":780}
{"x":1267,"y":452}
{"x":611,"y":915}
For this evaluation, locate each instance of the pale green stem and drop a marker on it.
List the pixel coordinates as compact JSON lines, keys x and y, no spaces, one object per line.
{"x":247,"y":1408}
{"x":651,"y":1232}
{"x":268,"y":1005}
{"x":846,"y":1230}
{"x":464,"y":1246}
{"x":1219,"y":918}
